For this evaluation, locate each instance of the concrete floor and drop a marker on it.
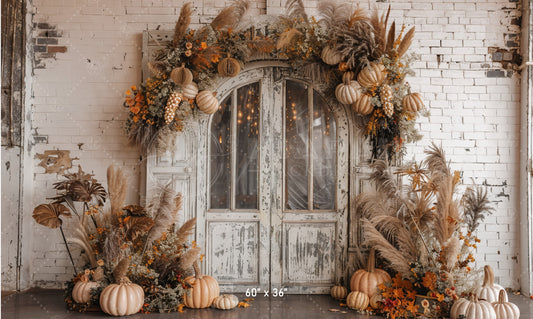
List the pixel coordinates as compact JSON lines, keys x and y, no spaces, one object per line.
{"x":49,"y":304}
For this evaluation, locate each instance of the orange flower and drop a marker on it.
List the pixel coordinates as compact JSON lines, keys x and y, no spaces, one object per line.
{"x":135,"y":109}
{"x":203,"y":45}
{"x":128,"y":92}
{"x":188,"y":53}
{"x":135,"y":119}
{"x":134,"y":88}
{"x":429,"y":280}
{"x":440,"y":297}
{"x":188,"y":45}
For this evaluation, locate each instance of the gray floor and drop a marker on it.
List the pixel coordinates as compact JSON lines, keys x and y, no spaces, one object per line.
{"x":49,"y":304}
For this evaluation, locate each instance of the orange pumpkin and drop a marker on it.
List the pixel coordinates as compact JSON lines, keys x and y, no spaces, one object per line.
{"x":412,"y":102}
{"x":204,"y":289}
{"x":363,"y":105}
{"x":372,"y":75}
{"x":368,"y":280}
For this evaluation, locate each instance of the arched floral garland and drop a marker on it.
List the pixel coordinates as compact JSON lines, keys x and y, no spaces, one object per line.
{"x":356,"y":56}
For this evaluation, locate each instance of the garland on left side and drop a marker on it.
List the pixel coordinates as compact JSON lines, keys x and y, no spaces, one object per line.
{"x":356,"y":57}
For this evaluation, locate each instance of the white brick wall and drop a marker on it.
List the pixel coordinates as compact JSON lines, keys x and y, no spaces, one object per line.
{"x":77,"y":101}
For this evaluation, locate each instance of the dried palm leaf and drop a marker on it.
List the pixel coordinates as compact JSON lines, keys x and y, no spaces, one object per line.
{"x":476,"y":206}
{"x":451,"y":250}
{"x":447,"y":211}
{"x":231,"y":16}
{"x":376,"y":204}
{"x":296,"y":10}
{"x":82,"y":240}
{"x":134,"y":210}
{"x":121,"y":269}
{"x":436,"y":160}
{"x":385,"y":182}
{"x":186,"y":230}
{"x":333,"y":14}
{"x":406,"y":42}
{"x":180,"y":30}
{"x":135,"y":227}
{"x":286,"y":38}
{"x":386,"y":250}
{"x":394,"y":230}
{"x":49,"y":215}
{"x":117,"y":184}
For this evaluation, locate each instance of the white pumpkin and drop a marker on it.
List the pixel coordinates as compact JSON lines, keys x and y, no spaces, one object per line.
{"x":123,"y":299}
{"x":504,"y":309}
{"x":372,"y":75}
{"x":190,"y":90}
{"x":226,"y":302}
{"x":347,"y":92}
{"x":82,"y":291}
{"x":489,"y":291}
{"x":472,"y":309}
{"x":207,"y":102}
{"x":357,"y":300}
{"x":339,"y":292}
{"x":363,"y":105}
{"x":331,"y":56}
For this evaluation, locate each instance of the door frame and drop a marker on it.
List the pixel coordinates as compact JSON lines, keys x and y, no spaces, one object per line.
{"x":271,"y":240}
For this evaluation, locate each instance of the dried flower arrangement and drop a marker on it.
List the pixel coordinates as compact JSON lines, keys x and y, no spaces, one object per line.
{"x":123,"y":244}
{"x":425,"y":233}
{"x":345,"y":45}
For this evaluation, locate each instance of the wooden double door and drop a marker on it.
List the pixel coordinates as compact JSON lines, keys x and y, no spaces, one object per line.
{"x":267,"y":178}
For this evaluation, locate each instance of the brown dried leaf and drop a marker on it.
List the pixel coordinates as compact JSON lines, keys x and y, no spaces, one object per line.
{"x":49,"y":214}
{"x":137,"y":226}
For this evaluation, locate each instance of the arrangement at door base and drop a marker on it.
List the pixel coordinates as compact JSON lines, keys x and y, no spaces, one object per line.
{"x":425,"y":235}
{"x":137,"y":259}
{"x":354,"y":57}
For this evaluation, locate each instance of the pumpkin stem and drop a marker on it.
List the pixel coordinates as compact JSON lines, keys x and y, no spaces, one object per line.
{"x":473,"y":298}
{"x":488,"y":279}
{"x":501,"y":296}
{"x":197,"y":272}
{"x":371,"y":264}
{"x":124,"y":280}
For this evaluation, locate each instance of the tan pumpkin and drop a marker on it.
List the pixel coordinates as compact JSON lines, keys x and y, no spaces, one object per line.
{"x":331,"y":56}
{"x":207,"y":102}
{"x":412,"y":102}
{"x":122,"y":299}
{"x":339,"y":292}
{"x":372,"y":75}
{"x":204,"y":289}
{"x":357,"y":300}
{"x":190,"y":90}
{"x":181,"y":75}
{"x":347,"y":92}
{"x":504,"y":309}
{"x":363,"y":105}
{"x":472,"y":309}
{"x":489,"y":291}
{"x":376,"y":301}
{"x":368,"y":280}
{"x":226,"y":302}
{"x":229,"y":67}
{"x":82,"y":290}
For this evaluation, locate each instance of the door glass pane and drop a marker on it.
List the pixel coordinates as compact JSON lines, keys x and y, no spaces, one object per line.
{"x":219,"y":159}
{"x":324,"y":155}
{"x":248,"y":107}
{"x":296,"y":146}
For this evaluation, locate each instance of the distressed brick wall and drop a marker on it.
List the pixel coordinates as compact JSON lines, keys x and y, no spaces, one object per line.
{"x":466,"y":72}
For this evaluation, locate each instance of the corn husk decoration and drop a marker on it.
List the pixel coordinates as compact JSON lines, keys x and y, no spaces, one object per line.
{"x":172,"y":105}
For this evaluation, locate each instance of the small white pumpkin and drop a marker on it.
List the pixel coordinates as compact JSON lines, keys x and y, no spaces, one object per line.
{"x":347,"y":92}
{"x":207,"y":102}
{"x":122,"y":299}
{"x":472,"y":309}
{"x":357,"y":300}
{"x":489,"y":290}
{"x":82,"y":290}
{"x":190,"y":90}
{"x":504,"y":309}
{"x":331,"y":56}
{"x":372,"y":75}
{"x":363,"y":105}
{"x":339,"y":292}
{"x":226,"y":302}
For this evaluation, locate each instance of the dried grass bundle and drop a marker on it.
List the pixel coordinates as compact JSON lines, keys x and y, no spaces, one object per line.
{"x":231,"y":16}
{"x":117,"y":184}
{"x":188,"y":258}
{"x":121,"y":269}
{"x":186,"y":230}
{"x":406,"y":42}
{"x":162,"y":209}
{"x":385,"y":182}
{"x":205,"y":58}
{"x":180,"y":30}
{"x":333,"y":14}
{"x":143,"y":135}
{"x":286,"y":38}
{"x":379,"y":23}
{"x":394,"y":230}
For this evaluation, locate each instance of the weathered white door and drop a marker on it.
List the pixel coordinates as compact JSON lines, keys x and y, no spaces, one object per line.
{"x":277,"y":176}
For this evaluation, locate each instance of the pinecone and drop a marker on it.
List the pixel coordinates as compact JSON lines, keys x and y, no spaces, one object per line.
{"x":172,"y":105}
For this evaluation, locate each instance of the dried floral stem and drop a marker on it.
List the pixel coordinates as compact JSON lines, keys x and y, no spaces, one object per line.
{"x":68,"y":249}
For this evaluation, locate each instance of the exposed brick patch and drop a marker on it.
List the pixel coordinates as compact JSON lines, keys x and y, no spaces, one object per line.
{"x":46,"y":40}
